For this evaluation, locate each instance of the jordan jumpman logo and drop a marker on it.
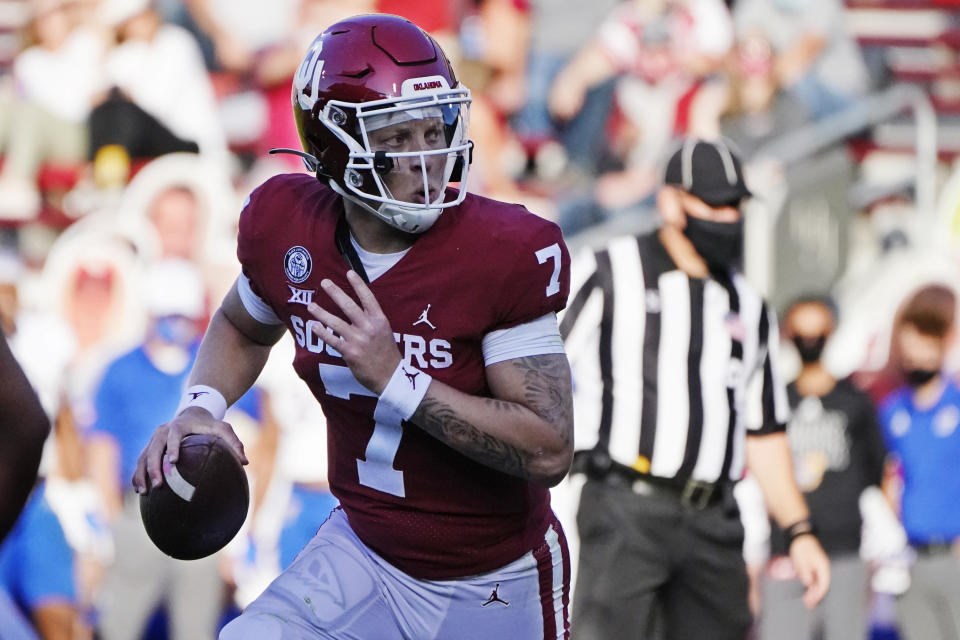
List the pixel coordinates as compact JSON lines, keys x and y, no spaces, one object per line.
{"x":423,"y":319}
{"x":412,"y":377}
{"x":495,"y":598}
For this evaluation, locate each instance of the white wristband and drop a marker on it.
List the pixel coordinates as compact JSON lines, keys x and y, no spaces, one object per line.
{"x":200,"y":395}
{"x":402,"y":395}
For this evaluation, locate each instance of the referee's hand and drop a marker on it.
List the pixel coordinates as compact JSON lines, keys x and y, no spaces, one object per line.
{"x":813,"y":568}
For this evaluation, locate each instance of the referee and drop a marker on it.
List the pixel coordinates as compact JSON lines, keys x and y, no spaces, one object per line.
{"x":677,"y":392}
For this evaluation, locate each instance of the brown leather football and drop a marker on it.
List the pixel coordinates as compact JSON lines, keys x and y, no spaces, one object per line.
{"x":202,"y":502}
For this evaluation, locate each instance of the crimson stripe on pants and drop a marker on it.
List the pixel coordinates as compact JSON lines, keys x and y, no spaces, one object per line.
{"x":554,"y":589}
{"x":565,"y":558}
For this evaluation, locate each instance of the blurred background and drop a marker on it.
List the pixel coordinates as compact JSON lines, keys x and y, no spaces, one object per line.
{"x":131,"y":131}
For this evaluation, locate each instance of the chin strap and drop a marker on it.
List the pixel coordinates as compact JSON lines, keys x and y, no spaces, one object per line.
{"x":342,"y":239}
{"x":313,"y":165}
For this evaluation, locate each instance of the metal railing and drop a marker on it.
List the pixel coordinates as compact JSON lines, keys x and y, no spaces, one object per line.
{"x":805,"y":142}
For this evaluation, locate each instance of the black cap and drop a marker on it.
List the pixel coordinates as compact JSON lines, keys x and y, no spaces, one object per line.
{"x":709,"y":171}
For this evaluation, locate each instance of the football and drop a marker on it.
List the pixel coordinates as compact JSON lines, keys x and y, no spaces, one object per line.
{"x":202,"y":502}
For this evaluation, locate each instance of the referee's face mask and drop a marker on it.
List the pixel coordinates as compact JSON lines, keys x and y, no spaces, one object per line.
{"x":720,"y":244}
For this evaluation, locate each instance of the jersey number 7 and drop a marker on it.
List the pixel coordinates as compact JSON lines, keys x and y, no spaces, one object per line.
{"x":376,"y":470}
{"x":551,"y":252}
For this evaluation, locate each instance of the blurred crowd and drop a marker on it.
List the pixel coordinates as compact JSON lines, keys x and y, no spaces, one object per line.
{"x":131,"y":131}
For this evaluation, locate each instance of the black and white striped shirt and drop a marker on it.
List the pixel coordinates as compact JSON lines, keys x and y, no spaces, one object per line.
{"x":670,"y":372}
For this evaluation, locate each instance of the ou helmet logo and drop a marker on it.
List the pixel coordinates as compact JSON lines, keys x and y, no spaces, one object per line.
{"x":309,"y":73}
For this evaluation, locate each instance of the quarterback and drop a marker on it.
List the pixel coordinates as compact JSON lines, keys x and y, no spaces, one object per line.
{"x":425,"y":324}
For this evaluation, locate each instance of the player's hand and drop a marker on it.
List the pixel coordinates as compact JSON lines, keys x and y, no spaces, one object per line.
{"x":813,"y":568}
{"x":166,"y":439}
{"x":364,"y":339}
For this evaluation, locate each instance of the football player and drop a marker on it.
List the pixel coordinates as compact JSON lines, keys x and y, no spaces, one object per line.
{"x":425,"y":324}
{"x":24,"y":427}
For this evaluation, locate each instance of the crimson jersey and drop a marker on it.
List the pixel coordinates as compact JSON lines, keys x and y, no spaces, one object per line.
{"x":484,"y":265}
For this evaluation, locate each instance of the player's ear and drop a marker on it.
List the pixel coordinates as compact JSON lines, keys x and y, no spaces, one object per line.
{"x":670,"y":206}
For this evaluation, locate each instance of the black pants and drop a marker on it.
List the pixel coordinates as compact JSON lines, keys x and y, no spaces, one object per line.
{"x":652,"y":568}
{"x":119,"y":121}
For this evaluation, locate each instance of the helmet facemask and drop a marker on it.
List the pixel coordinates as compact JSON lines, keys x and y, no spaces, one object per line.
{"x":358,"y":124}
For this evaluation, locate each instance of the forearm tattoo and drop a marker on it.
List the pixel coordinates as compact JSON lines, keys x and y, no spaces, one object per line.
{"x":546,"y":392}
{"x":444,"y":423}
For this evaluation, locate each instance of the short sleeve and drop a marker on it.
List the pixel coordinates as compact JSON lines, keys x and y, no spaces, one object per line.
{"x":537,"y":338}
{"x":254,"y":304}
{"x":766,"y":393}
{"x":534,"y":277}
{"x":252,"y":233}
